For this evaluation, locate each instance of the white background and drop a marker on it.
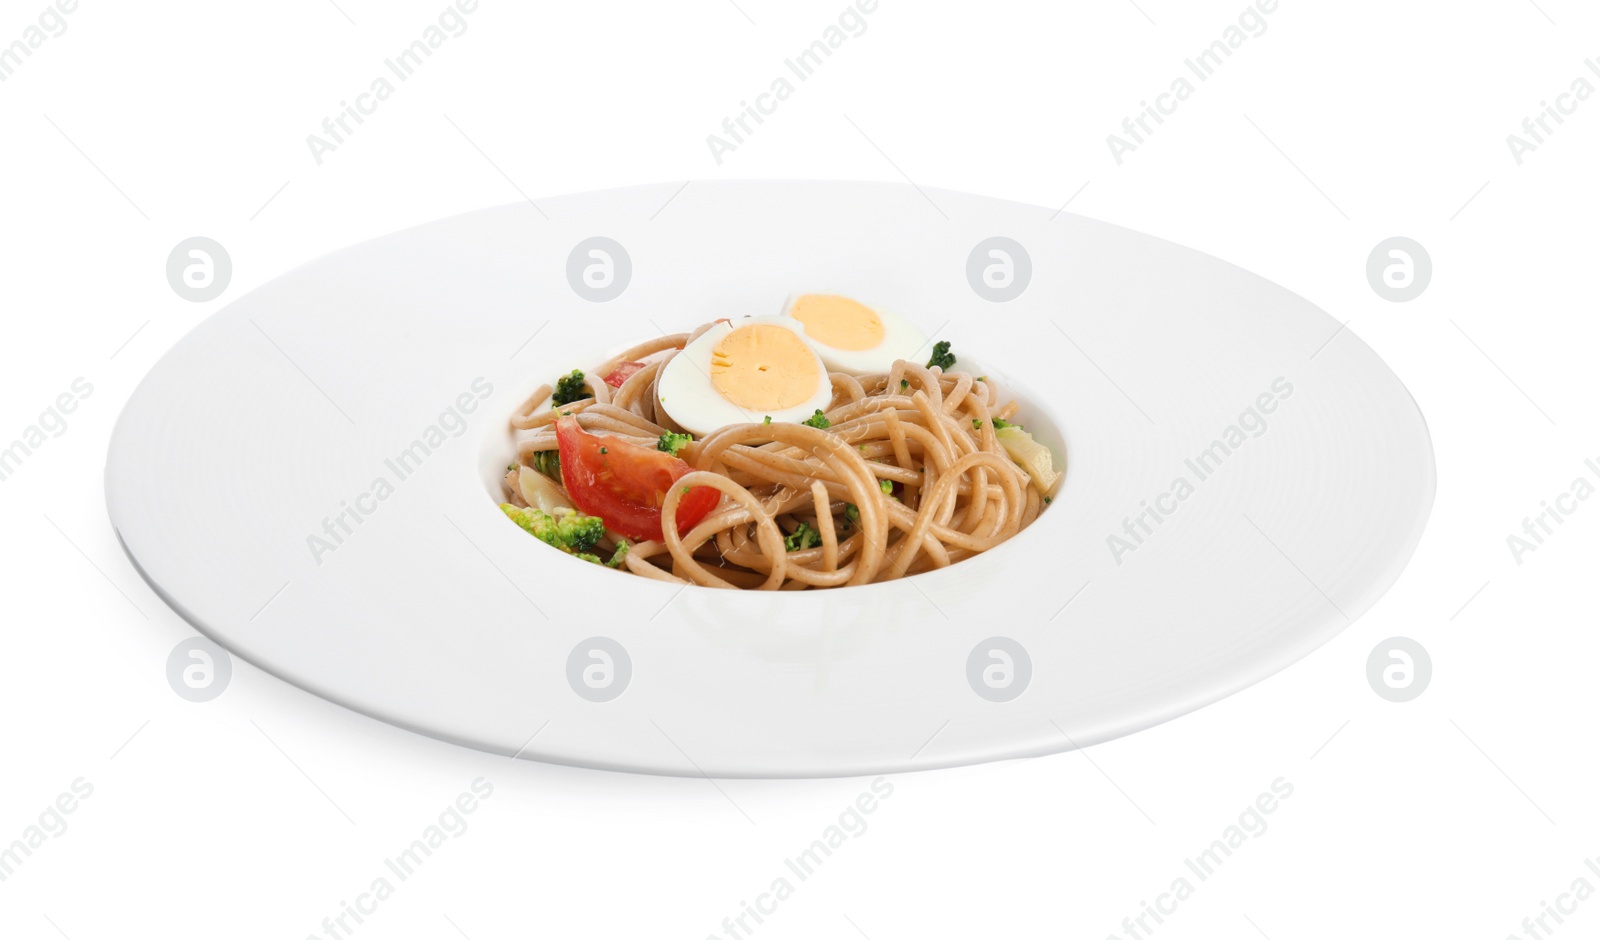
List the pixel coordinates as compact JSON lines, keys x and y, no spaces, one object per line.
{"x":261,"y":813}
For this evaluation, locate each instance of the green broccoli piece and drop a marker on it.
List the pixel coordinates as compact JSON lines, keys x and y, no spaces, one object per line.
{"x":548,"y":462}
{"x":886,"y":485}
{"x":818,"y":420}
{"x":571,"y":387}
{"x":941,"y":356}
{"x":904,"y":384}
{"x":766,"y":420}
{"x":572,"y":532}
{"x":672,"y":443}
{"x":615,"y":561}
{"x":999,"y":424}
{"x":579,"y":531}
{"x":852,"y":513}
{"x":803,"y":538}
{"x":522,"y":516}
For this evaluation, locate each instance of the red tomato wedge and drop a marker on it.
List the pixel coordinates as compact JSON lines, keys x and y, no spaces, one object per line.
{"x":625,"y":484}
{"x":623,"y":373}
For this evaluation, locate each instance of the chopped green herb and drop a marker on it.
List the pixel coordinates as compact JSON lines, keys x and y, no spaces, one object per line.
{"x":767,"y":420}
{"x":999,"y":424}
{"x":853,"y":513}
{"x":570,"y":388}
{"x":886,"y":485}
{"x":904,"y":384}
{"x":604,"y":451}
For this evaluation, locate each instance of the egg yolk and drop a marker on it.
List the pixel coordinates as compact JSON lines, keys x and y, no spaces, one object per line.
{"x":764,"y":367}
{"x":838,"y":322}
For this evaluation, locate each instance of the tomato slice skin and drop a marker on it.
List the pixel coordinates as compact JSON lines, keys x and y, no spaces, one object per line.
{"x":627,"y":484}
{"x":622,"y":373}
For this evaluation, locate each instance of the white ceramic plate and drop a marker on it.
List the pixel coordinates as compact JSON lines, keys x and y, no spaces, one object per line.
{"x":435,"y":613}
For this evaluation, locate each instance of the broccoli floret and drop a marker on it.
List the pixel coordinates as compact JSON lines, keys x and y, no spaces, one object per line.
{"x":548,"y":462}
{"x":852,"y":513}
{"x":803,"y":538}
{"x":766,"y":420}
{"x":579,"y":531}
{"x":904,"y":384}
{"x":571,"y":388}
{"x":572,"y":532}
{"x":618,"y":555}
{"x":941,"y":356}
{"x":886,"y":485}
{"x":672,"y":443}
{"x":522,"y":516}
{"x":818,"y":420}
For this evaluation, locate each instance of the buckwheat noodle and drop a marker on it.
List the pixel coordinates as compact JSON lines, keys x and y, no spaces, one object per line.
{"x":960,"y":494}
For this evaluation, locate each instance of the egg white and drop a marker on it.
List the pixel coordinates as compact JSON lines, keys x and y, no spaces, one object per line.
{"x":901,"y":340}
{"x":686,"y":393}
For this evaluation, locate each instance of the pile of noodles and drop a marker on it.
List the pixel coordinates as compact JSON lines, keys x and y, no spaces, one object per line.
{"x":927,"y":430}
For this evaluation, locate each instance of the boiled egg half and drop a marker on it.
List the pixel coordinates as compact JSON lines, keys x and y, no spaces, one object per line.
{"x":745,"y":371}
{"x":851,"y":336}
